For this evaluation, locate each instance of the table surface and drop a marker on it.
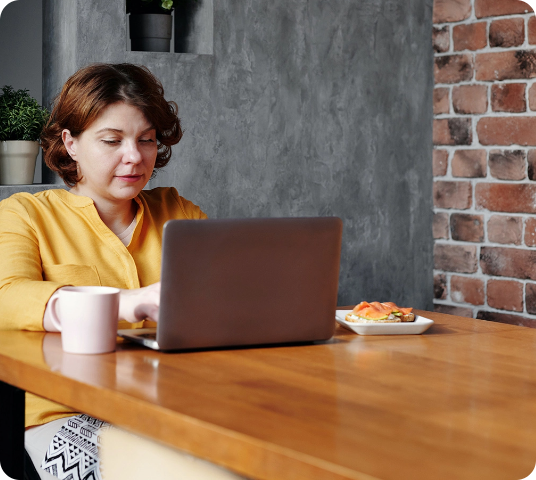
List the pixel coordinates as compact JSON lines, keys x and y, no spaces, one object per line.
{"x":458,"y":402}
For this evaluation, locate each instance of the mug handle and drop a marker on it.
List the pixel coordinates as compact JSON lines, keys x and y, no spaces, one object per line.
{"x":54,"y":318}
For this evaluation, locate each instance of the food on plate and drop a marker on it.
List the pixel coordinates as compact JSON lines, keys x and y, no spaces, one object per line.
{"x":376,"y":312}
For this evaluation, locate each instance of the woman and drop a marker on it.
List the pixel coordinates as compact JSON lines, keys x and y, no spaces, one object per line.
{"x":109,"y":131}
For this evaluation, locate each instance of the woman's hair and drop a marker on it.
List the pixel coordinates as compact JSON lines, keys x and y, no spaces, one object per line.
{"x":93,"y":88}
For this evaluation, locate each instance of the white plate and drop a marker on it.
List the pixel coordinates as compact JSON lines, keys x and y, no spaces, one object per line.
{"x":421,"y":324}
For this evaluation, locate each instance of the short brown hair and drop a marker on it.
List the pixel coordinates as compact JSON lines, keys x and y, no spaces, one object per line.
{"x":93,"y":88}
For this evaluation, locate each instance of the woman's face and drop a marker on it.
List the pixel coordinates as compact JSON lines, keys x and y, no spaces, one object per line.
{"x":115,"y":154}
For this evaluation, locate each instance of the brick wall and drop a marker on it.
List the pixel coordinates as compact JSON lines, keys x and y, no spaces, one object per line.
{"x":484,"y":160}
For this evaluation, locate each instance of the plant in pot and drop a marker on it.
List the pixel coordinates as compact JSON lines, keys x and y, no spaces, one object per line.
{"x":21,"y":121}
{"x":150,"y":24}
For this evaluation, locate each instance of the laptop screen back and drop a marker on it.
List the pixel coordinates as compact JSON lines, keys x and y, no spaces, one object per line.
{"x":231,"y":282}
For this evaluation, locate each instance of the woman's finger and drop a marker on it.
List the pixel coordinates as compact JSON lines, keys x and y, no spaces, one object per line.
{"x":146,"y":311}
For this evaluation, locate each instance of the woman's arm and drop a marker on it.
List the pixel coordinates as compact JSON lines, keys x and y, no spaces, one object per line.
{"x":23,"y":293}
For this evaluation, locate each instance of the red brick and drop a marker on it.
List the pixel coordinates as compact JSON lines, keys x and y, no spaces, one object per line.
{"x":506,"y":197}
{"x":531,"y":164}
{"x":469,"y":163}
{"x":467,"y":290}
{"x":506,"y":131}
{"x":506,"y":318}
{"x":509,"y":65}
{"x":440,"y":286}
{"x":441,"y":39}
{"x":505,"y":295}
{"x":440,"y":225}
{"x":530,"y":297}
{"x":532,"y":95}
{"x":455,"y":258}
{"x":452,"y":310}
{"x":505,"y":229}
{"x":451,"y":10}
{"x":530,"y":232}
{"x":452,"y":195}
{"x":441,"y":100}
{"x":508,"y":262}
{"x":507,"y":32}
{"x":495,"y":8}
{"x":470,"y":99}
{"x":440,"y":162}
{"x":452,"y":131}
{"x":531,"y":30}
{"x":472,"y":36}
{"x":508,"y":97}
{"x":453,"y":68}
{"x":467,"y":228}
{"x":507,"y":164}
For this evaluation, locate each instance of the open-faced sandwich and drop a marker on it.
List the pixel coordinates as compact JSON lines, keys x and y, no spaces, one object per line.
{"x":376,"y":312}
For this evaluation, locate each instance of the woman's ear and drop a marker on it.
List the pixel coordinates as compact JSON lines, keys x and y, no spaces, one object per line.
{"x":70,"y":143}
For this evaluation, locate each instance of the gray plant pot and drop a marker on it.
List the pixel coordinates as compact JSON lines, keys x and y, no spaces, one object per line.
{"x":17,"y":162}
{"x":150,"y":32}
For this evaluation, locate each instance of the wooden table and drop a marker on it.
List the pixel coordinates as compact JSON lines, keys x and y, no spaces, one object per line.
{"x":458,"y":402}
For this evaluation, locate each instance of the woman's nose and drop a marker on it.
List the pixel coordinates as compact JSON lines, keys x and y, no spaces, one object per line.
{"x":133,"y":154}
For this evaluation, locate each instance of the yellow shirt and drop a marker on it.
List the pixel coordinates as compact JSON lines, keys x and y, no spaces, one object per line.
{"x":55,"y":238}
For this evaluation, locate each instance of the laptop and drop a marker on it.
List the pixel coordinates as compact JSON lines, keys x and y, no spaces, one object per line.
{"x":245,"y":282}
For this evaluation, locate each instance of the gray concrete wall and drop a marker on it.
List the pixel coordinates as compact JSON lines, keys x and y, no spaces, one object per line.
{"x":21,"y":46}
{"x":21,"y":51}
{"x":60,"y":40}
{"x":306,"y":107}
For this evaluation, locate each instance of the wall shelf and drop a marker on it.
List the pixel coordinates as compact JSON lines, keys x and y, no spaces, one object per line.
{"x":193,"y":28}
{"x":8,"y":190}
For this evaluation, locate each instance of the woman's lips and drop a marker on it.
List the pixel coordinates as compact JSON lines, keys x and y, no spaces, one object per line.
{"x":129,"y":178}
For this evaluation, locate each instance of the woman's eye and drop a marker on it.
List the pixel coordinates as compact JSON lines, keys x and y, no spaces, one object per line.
{"x":111,"y":142}
{"x":146,"y":140}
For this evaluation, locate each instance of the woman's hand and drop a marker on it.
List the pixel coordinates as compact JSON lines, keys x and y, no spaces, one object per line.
{"x":140,"y":304}
{"x":134,"y":306}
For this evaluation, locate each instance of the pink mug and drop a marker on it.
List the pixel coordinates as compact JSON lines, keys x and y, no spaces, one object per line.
{"x":87,"y":318}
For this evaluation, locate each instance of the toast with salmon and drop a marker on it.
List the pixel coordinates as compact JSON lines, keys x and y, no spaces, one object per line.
{"x":377,"y":312}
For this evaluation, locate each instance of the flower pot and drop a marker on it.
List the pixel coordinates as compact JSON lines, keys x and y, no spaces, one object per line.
{"x":150,"y":32}
{"x":17,"y":162}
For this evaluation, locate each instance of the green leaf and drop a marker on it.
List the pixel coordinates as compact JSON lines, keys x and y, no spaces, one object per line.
{"x":21,"y":117}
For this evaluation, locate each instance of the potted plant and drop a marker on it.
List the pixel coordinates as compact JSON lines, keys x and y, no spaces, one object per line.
{"x":21,"y":121}
{"x":150,"y":24}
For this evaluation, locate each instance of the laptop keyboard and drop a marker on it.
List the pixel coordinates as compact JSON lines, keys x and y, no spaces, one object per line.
{"x":150,"y":336}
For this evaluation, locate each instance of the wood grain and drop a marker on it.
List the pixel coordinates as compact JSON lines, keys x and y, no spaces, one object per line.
{"x":455,"y":402}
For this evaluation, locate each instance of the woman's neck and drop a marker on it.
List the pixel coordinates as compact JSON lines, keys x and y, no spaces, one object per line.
{"x":117,"y":216}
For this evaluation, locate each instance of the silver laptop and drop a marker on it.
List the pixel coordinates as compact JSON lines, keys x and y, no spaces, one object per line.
{"x":242,"y":282}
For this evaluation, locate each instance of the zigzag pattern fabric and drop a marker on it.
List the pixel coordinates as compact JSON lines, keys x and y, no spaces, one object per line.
{"x":73,"y":453}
